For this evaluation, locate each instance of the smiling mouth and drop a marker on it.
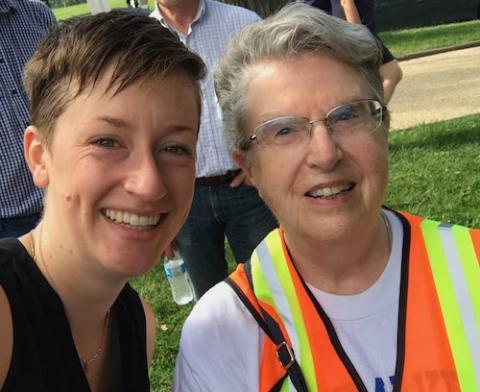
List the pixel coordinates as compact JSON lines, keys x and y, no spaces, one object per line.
{"x":330,"y":192}
{"x":131,"y":220}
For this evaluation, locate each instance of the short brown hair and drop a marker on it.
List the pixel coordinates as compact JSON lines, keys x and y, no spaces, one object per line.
{"x":74,"y":55}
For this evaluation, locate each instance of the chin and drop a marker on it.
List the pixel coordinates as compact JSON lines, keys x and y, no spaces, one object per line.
{"x":130,"y":266}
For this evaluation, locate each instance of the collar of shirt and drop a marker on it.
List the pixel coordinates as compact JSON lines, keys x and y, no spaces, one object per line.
{"x":200,"y":11}
{"x":5,"y":6}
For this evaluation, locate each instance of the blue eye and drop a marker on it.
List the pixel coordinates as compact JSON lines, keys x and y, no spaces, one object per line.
{"x":106,"y":142}
{"x":285,"y":131}
{"x":343,"y":114}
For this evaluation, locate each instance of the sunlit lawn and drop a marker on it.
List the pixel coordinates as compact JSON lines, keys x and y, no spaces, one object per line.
{"x":403,"y":42}
{"x":82,"y":9}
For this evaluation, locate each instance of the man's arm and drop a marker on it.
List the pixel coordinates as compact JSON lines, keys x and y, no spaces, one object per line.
{"x":391,"y":74}
{"x":351,"y":12}
{"x":151,"y":324}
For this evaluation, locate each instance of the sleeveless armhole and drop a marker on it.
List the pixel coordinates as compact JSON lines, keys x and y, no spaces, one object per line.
{"x":6,"y":337}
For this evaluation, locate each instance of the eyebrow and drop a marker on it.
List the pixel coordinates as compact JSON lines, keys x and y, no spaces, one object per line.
{"x":117,"y":122}
{"x":120,"y":123}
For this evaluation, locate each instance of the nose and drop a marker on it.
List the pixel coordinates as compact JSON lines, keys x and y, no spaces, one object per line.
{"x":144,"y":179}
{"x":323,"y":151}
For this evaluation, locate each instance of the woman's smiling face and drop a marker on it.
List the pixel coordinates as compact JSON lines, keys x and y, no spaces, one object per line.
{"x":120,"y":171}
{"x":326,"y":186}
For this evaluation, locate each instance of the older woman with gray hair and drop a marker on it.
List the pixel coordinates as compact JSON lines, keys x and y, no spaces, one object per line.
{"x":346,"y":295}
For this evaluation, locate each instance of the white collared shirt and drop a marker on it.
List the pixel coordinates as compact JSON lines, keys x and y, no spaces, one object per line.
{"x":208,"y":36}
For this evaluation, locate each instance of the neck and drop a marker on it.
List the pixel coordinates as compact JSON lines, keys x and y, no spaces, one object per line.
{"x":86,"y":291}
{"x":179,"y":16}
{"x":347,"y":265}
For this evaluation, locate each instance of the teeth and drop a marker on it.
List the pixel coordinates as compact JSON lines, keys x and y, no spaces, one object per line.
{"x":329,"y":192}
{"x":130,"y":219}
{"x":134,"y":219}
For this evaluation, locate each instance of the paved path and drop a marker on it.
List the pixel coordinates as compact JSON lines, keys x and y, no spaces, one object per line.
{"x":437,"y":87}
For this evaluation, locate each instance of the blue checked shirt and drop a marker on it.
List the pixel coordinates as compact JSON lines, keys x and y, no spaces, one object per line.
{"x":23,"y":24}
{"x":208,"y":36}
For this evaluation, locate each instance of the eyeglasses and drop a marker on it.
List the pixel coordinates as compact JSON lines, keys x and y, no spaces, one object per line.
{"x":360,"y":116}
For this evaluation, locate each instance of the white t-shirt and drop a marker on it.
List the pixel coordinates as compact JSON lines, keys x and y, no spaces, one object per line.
{"x":221,"y":342}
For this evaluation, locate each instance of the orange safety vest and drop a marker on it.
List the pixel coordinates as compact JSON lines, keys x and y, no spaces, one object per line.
{"x":438,"y":337}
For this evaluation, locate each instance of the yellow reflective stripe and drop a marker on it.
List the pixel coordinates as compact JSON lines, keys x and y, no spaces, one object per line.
{"x":260,"y":285}
{"x":263,"y":285}
{"x":274,"y":245}
{"x":449,"y":306}
{"x":286,"y":386}
{"x":471,"y":267}
{"x":457,"y":265}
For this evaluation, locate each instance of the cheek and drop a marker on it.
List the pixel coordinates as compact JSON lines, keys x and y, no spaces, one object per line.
{"x":74,"y":186}
{"x":273,"y":175}
{"x":375,"y":165}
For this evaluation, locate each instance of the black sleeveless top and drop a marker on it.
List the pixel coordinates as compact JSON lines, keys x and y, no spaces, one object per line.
{"x":44,"y":356}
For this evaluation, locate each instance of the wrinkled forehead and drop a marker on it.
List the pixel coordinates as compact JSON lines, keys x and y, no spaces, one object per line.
{"x":278,"y":86}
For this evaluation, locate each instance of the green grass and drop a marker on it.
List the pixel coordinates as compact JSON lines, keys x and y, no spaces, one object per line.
{"x":403,"y":42}
{"x":170,"y":317}
{"x":68,"y":12}
{"x":82,"y":9}
{"x":434,"y":172}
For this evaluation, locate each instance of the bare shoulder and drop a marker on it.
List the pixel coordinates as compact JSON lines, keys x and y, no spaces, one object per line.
{"x":6,"y":336}
{"x":151,"y":324}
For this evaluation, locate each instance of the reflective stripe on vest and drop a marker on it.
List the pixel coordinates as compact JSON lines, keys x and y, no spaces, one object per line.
{"x":457,"y":278}
{"x":439,"y":335}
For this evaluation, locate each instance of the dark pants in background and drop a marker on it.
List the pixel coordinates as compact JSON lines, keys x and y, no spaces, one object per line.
{"x":217,"y":212}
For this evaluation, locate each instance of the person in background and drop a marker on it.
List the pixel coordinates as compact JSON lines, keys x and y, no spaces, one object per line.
{"x":23,"y":24}
{"x":363,"y":11}
{"x":346,"y":295}
{"x":118,"y":186}
{"x":223,"y":203}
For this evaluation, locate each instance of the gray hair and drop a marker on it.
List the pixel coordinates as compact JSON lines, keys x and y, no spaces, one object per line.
{"x":296,"y":28}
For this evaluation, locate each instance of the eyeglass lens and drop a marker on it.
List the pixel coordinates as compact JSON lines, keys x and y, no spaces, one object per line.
{"x":348,"y":119}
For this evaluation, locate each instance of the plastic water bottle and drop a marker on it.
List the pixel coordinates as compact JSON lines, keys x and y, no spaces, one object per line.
{"x":177,"y":275}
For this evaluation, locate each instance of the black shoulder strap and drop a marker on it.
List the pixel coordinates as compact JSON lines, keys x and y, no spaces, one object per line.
{"x":285,"y":354}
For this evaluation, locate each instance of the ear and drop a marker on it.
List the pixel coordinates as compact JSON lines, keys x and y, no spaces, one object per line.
{"x":241,"y":159}
{"x":36,"y":154}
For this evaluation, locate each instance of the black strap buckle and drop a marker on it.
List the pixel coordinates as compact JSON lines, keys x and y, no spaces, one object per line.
{"x":285,"y":355}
